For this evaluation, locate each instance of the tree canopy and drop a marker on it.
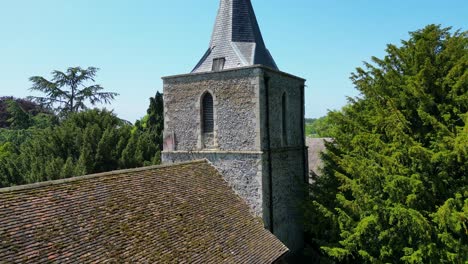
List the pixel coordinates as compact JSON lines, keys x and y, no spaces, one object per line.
{"x":395,"y":187}
{"x":67,"y":91}
{"x":10,"y":106}
{"x":87,"y":142}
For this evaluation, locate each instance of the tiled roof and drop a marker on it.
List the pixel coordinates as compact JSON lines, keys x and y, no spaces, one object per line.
{"x":237,"y":38}
{"x":316,"y":147}
{"x":183,"y":213}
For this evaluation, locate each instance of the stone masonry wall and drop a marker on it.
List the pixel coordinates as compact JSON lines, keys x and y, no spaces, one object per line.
{"x":288,"y":189}
{"x":236,"y":152}
{"x":278,"y":85}
{"x":287,"y":160}
{"x":241,"y":171}
{"x":235,"y":109}
{"x":243,"y":152}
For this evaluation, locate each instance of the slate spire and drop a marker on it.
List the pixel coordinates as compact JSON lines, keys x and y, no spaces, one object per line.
{"x":236,"y":40}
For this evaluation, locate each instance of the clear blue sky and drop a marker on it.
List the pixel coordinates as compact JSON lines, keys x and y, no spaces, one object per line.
{"x":135,"y":42}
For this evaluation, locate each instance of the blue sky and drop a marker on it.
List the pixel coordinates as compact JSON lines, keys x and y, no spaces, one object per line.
{"x":136,"y":42}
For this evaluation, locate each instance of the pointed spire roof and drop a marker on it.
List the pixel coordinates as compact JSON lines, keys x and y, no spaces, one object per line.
{"x":236,"y":39}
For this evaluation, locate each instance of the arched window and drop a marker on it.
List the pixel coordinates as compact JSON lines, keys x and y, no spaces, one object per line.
{"x":284,"y":122}
{"x":207,"y":114}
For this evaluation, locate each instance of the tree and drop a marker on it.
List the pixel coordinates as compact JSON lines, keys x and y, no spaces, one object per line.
{"x":156,"y":113}
{"x":67,"y":93}
{"x":26,"y":106}
{"x":20,"y":119}
{"x":8,"y":171}
{"x":319,"y":128}
{"x":86,"y":142}
{"x":38,"y":146}
{"x":395,"y":183}
{"x":150,"y":143}
{"x":155,"y":122}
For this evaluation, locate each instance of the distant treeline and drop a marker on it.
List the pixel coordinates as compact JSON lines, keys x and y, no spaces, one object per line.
{"x":319,"y":127}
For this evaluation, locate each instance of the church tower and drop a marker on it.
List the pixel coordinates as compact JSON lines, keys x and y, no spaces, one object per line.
{"x":239,"y":111}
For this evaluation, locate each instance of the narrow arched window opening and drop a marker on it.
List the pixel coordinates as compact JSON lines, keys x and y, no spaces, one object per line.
{"x":207,"y":114}
{"x":284,"y":122}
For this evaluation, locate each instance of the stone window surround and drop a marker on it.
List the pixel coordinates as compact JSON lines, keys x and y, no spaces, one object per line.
{"x":199,"y":110}
{"x":207,"y":113}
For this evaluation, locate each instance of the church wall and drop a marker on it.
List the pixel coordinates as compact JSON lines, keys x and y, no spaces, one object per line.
{"x":288,"y":189}
{"x":287,"y":157}
{"x":237,"y":151}
{"x":243,"y":172}
{"x":236,"y":109}
{"x":279,"y":84}
{"x":242,"y":153}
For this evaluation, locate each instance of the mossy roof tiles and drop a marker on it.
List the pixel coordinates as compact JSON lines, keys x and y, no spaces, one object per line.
{"x":183,"y":213}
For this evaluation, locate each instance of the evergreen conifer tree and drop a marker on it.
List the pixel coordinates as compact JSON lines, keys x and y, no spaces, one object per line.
{"x":395,"y":185}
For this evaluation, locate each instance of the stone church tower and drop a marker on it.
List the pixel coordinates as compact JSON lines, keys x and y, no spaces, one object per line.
{"x":246,"y":117}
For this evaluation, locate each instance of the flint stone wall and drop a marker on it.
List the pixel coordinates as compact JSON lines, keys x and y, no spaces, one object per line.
{"x":235,"y":96}
{"x":241,"y":142}
{"x":241,"y":171}
{"x":288,"y":194}
{"x":280,"y":84}
{"x":288,"y":162}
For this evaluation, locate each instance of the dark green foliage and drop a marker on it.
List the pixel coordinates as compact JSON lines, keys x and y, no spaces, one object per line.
{"x":39,"y":148}
{"x":129,"y":154}
{"x":151,"y":129}
{"x":87,"y":142}
{"x":395,"y":187}
{"x":10,"y":106}
{"x":24,"y":118}
{"x":20,"y":119}
{"x":107,"y":155}
{"x":66,"y":93}
{"x":153,"y":122}
{"x":155,"y":125}
{"x":68,"y":169}
{"x":8,"y":172}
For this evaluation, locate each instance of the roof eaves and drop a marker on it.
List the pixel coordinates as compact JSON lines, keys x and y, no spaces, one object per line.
{"x":202,"y":60}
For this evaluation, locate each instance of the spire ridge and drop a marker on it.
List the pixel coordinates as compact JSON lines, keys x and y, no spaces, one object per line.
{"x":236,"y":40}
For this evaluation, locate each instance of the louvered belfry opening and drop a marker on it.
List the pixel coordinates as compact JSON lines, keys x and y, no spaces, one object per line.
{"x":208,"y":117}
{"x":218,"y":64}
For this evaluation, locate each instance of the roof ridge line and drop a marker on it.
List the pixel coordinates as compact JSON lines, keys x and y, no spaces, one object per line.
{"x":94,"y":175}
{"x":239,"y":54}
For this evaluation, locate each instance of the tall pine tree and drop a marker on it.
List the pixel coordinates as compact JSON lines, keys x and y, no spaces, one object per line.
{"x":395,"y":188}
